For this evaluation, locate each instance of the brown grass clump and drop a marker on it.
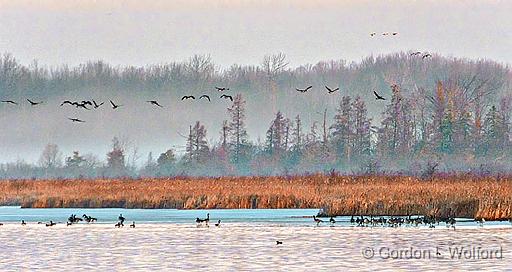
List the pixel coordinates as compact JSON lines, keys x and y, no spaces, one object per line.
{"x":461,"y":196}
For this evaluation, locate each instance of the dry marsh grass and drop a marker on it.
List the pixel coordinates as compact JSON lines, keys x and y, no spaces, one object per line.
{"x":461,"y":196}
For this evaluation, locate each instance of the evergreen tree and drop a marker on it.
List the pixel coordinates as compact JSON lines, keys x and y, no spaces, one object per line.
{"x":116,"y":158}
{"x":238,"y":138}
{"x":342,"y":131}
{"x":197,"y":146}
{"x":166,"y":162}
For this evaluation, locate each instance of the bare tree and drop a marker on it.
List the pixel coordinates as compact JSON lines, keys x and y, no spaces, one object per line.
{"x":51,"y":157}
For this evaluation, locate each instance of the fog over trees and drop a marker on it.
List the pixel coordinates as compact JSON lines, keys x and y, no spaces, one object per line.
{"x":440,"y":114}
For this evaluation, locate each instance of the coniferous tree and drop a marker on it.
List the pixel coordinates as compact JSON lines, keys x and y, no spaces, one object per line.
{"x":238,"y":138}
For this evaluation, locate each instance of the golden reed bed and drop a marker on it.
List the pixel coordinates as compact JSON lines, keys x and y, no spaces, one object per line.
{"x":461,"y":196}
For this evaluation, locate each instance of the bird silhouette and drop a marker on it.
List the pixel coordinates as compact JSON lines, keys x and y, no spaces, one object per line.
{"x":96,"y":105}
{"x":227,"y":97}
{"x":86,"y":102}
{"x":427,"y":55}
{"x":279,"y":243}
{"x":378,"y":97}
{"x":154,"y":102}
{"x":304,"y":90}
{"x":205,"y":96}
{"x":80,"y":105}
{"x":373,"y":34}
{"x":221,"y":89}
{"x":385,"y":34}
{"x":114,"y":106}
{"x":67,"y":102}
{"x":32,"y":103}
{"x":331,"y":90}
{"x":9,"y":102}
{"x":394,"y":33}
{"x":76,"y":120}
{"x":188,"y":97}
{"x":416,"y":53}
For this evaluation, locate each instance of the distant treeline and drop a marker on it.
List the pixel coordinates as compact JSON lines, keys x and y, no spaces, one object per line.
{"x":441,"y":114}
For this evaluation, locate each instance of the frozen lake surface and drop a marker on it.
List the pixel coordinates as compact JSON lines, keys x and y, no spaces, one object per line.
{"x":246,"y":241}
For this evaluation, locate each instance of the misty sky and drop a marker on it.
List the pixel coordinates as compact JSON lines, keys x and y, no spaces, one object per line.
{"x":156,"y":31}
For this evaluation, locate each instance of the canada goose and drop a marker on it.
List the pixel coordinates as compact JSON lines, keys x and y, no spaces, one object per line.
{"x":217,"y":224}
{"x":119,"y":225}
{"x":76,"y":120}
{"x":205,"y":96}
{"x":96,"y":105}
{"x":378,"y":97}
{"x":69,"y":224}
{"x":66,"y":102}
{"x":9,"y":102}
{"x":206,"y":220}
{"x":188,"y":97}
{"x":23,"y":223}
{"x":89,"y":219}
{"x":317,"y":221}
{"x":331,"y":90}
{"x":227,"y":97}
{"x":352,"y":220}
{"x":332,"y":221}
{"x":80,"y":105}
{"x":385,"y":34}
{"x":114,"y":106}
{"x":132,"y":225}
{"x":427,"y":55}
{"x":221,"y":89}
{"x":279,"y":242}
{"x":416,"y":53}
{"x":480,"y":221}
{"x":304,"y":90}
{"x":373,"y":34}
{"x":51,"y":224}
{"x":121,"y":218}
{"x":154,"y":102}
{"x":394,"y":33}
{"x":32,"y":103}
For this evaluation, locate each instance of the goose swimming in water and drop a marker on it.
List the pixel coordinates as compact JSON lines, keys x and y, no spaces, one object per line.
{"x":317,"y":221}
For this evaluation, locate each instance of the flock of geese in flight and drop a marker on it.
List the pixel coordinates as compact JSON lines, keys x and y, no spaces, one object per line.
{"x":92,"y":104}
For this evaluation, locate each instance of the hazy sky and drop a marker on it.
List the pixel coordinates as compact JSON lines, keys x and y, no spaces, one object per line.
{"x":156,"y":31}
